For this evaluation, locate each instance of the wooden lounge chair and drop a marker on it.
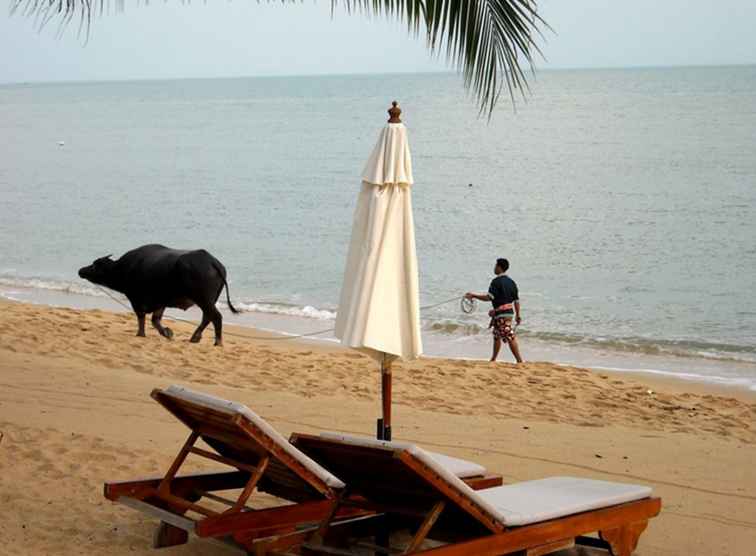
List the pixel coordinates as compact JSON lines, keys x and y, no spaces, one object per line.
{"x":405,"y":486}
{"x":261,"y":459}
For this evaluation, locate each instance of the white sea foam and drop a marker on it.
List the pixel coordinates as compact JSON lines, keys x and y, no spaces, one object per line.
{"x":740,"y":382}
{"x":63,"y":286}
{"x":52,"y":285}
{"x":308,"y":311}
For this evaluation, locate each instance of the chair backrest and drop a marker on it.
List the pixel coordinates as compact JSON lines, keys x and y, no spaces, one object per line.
{"x":460,"y":467}
{"x":237,"y":433}
{"x":397,"y":474}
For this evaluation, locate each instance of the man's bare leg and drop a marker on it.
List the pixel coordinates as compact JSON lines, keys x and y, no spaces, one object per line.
{"x":496,"y":348}
{"x":515,"y":348}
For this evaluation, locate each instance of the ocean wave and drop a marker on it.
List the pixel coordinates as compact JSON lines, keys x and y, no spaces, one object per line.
{"x":308,"y":311}
{"x":741,"y":382}
{"x":84,"y":288}
{"x":656,"y":346}
{"x":632,"y":344}
{"x":52,"y":285}
{"x":451,"y":326}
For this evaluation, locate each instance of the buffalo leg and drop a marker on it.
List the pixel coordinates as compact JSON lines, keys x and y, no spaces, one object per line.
{"x":218,"y":326}
{"x":206,"y":318}
{"x":164,"y":330}
{"x":140,"y":319}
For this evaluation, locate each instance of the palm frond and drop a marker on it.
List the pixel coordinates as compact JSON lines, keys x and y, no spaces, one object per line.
{"x":491,"y":42}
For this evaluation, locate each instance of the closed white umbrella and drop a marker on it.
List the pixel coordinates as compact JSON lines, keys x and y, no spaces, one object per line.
{"x":379,"y":304}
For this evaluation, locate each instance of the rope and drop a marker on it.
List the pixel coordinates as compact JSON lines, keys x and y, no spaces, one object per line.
{"x":270,"y":338}
{"x":467,"y":306}
{"x":428,"y":307}
{"x":187,"y":321}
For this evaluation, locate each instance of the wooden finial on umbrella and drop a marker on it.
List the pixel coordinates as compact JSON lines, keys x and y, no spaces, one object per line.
{"x":395,"y":112}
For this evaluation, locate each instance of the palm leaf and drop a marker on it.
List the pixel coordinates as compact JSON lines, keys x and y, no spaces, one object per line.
{"x":491,"y":42}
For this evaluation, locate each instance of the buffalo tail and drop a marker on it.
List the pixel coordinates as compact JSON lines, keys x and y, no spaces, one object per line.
{"x":228,"y":300}
{"x":228,"y":294}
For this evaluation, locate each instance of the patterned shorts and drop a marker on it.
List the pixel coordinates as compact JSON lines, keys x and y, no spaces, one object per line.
{"x":502,"y":328}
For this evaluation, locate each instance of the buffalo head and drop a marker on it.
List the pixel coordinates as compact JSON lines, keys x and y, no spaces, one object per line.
{"x":99,"y":271}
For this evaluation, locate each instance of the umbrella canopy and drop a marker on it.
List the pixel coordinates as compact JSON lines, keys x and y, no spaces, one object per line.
{"x":379,"y":305}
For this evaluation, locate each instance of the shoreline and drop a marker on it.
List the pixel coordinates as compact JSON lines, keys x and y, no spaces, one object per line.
{"x":653,"y":381}
{"x":443,"y":348}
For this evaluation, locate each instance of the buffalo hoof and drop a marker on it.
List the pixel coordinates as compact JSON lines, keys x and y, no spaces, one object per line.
{"x":141,"y":335}
{"x":219,"y":343}
{"x":195,"y":339}
{"x":168,"y":333}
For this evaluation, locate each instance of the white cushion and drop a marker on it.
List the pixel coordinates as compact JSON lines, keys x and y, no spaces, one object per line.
{"x":544,"y":499}
{"x":460,"y":467}
{"x":225,"y":406}
{"x":525,"y":502}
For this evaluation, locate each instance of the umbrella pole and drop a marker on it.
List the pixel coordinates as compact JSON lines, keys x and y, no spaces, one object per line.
{"x":384,"y":424}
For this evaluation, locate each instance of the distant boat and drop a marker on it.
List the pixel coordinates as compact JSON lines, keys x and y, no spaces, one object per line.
{"x":61,"y":143}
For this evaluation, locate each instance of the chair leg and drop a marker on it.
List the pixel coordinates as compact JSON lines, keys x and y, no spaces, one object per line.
{"x":425,"y":527}
{"x":318,"y":537}
{"x":624,"y":540}
{"x":169,"y":535}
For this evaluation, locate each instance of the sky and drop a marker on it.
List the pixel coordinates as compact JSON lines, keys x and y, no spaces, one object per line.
{"x":221,"y":38}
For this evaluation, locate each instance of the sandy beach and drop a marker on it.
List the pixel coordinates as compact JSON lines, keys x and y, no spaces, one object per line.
{"x":75,"y":411}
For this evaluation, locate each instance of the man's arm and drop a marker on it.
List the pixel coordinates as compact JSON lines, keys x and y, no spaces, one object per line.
{"x":479,"y":296}
{"x":518,"y":318}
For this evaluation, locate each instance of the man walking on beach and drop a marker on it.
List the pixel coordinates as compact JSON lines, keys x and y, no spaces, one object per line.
{"x":502,"y":293}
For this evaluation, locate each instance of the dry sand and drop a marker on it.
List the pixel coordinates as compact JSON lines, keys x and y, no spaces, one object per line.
{"x":75,"y":411}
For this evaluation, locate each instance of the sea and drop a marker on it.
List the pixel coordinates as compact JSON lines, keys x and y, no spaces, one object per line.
{"x":625,"y":200}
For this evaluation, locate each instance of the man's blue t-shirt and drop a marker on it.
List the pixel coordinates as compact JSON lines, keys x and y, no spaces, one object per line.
{"x":503,"y":291}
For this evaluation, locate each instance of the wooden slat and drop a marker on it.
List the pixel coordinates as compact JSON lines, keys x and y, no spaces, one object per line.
{"x":483,"y":482}
{"x":340,"y":459}
{"x":402,"y":482}
{"x":442,"y":487}
{"x":199,"y":482}
{"x":165,"y":484}
{"x":176,"y":520}
{"x":289,"y":461}
{"x":326,"y":523}
{"x":222,"y":459}
{"x":250,"y":486}
{"x":219,"y":499}
{"x":545,"y":549}
{"x":281,"y":546}
{"x":163,"y":515}
{"x":398,"y":509}
{"x":425,"y":527}
{"x":180,"y":503}
{"x":225,"y":524}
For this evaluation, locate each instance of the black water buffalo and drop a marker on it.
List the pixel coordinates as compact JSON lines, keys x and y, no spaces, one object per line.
{"x":154,"y":277}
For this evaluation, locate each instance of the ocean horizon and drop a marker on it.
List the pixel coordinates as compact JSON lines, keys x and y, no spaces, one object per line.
{"x":532,"y":77}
